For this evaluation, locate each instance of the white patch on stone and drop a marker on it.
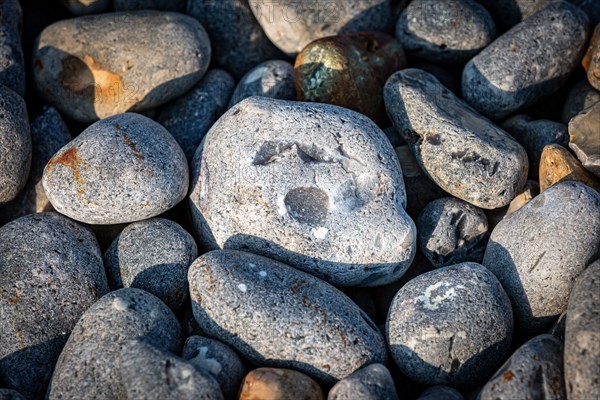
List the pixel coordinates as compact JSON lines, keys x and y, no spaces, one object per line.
{"x":262,"y":274}
{"x":242,"y":288}
{"x":252,"y":266}
{"x":319,"y":233}
{"x":435,"y":302}
{"x":255,"y":75}
{"x":281,"y":208}
{"x":210,"y":364}
{"x":119,"y":304}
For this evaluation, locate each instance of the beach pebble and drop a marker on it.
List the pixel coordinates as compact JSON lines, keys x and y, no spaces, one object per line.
{"x":530,"y":61}
{"x":581,"y":97}
{"x":280,"y":384}
{"x":452,"y":326}
{"x":85,"y":7}
{"x":96,"y":66}
{"x":441,"y":393}
{"x":273,"y":78}
{"x":451,"y":31}
{"x":591,"y":60}
{"x":313,"y":185}
{"x":121,"y":169}
{"x":88,"y":366}
{"x":162,"y":5}
{"x":538,"y":252}
{"x":277,"y":316}
{"x":558,"y":164}
{"x":585,"y":140}
{"x":12,"y":63}
{"x":461,"y":151}
{"x":509,"y":13}
{"x":373,"y":382}
{"x":51,"y":273}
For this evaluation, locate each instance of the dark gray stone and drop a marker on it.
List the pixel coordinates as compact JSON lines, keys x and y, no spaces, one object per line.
{"x":373,"y":382}
{"x":85,"y":7}
{"x":452,"y":326}
{"x":511,"y":12}
{"x":538,"y":252}
{"x":8,"y":394}
{"x":50,"y":273}
{"x":592,"y":9}
{"x":441,"y":393}
{"x":580,"y":98}
{"x":273,"y":78}
{"x":162,"y":5}
{"x":12,"y":64}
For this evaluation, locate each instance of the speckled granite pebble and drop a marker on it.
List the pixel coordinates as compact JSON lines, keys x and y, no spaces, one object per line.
{"x":280,"y":317}
{"x":162,"y":5}
{"x":373,"y":382}
{"x":510,"y":13}
{"x":121,"y":169}
{"x":581,"y":97}
{"x":273,"y":78}
{"x":591,"y":60}
{"x":12,"y":63}
{"x":558,"y":164}
{"x":85,"y":7}
{"x":441,"y":393}
{"x":584,"y":138}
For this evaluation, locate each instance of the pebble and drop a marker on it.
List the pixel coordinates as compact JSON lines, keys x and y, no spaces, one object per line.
{"x":584,"y":138}
{"x":441,"y":393}
{"x":51,"y":273}
{"x":532,"y":189}
{"x":273,"y":78}
{"x":591,"y":60}
{"x":534,"y":371}
{"x":153,"y":255}
{"x":461,"y":151}
{"x":121,"y":169}
{"x":88,"y":366}
{"x":530,"y":61}
{"x":314,"y":185}
{"x":452,"y":326}
{"x":451,"y":31}
{"x":219,"y":359}
{"x":280,"y":384}
{"x":538,"y":252}
{"x":580,"y":98}
{"x":97,"y":66}
{"x":373,"y":382}
{"x":85,"y":7}
{"x":12,"y":63}
{"x":283,"y":317}
{"x":162,"y":5}
{"x":558,"y":165}
{"x":451,"y":231}
{"x":190,"y":116}
{"x":15,"y":144}
{"x":509,"y":13}
{"x":582,"y":336}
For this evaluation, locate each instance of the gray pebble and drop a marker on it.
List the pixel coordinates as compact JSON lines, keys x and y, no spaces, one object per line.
{"x":219,"y":359}
{"x":162,"y":5}
{"x":580,"y":98}
{"x":277,"y":316}
{"x":461,"y":151}
{"x":273,"y":78}
{"x":15,"y":144}
{"x":313,"y":185}
{"x":8,"y":394}
{"x":88,"y":366}
{"x":441,"y":393}
{"x":373,"y":382}
{"x":584,"y":139}
{"x":51,"y":273}
{"x":530,"y":61}
{"x":582,"y":337}
{"x":538,"y":252}
{"x":451,"y":326}
{"x":153,"y":255}
{"x":451,"y":231}
{"x":85,"y":7}
{"x":121,"y":169}
{"x":190,"y":116}
{"x":509,"y":13}
{"x":534,"y":371}
{"x":450,"y":31}
{"x":12,"y":64}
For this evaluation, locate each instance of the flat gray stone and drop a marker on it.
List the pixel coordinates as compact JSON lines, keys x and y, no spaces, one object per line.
{"x":12,"y":63}
{"x":441,"y":393}
{"x":580,"y":98}
{"x":538,"y":252}
{"x":313,"y":185}
{"x":452,"y":326}
{"x":162,"y":5}
{"x":277,"y":316}
{"x":121,"y":169}
{"x":373,"y":382}
{"x":85,"y":7}
{"x":273,"y":78}
{"x":509,"y":13}
{"x":461,"y":151}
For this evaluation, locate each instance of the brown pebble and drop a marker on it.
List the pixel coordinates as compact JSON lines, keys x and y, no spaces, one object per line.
{"x":557,"y":165}
{"x":584,"y":138}
{"x":591,"y":60}
{"x":279,"y":384}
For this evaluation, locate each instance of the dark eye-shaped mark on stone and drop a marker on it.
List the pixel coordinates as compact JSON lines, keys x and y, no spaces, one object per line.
{"x":308,"y":205}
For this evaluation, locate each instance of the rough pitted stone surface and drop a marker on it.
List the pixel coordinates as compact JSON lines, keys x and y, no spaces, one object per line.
{"x":313,"y":185}
{"x":85,"y":7}
{"x":582,"y":336}
{"x":441,"y":393}
{"x":580,"y":98}
{"x":121,"y":169}
{"x":15,"y":144}
{"x":280,"y":384}
{"x":510,"y":13}
{"x":273,"y":78}
{"x":591,"y":60}
{"x":538,"y":252}
{"x":219,"y":359}
{"x":277,"y":316}
{"x":463,"y":153}
{"x":373,"y":382}
{"x":153,"y":57}
{"x":534,"y":371}
{"x":451,"y":231}
{"x":585,"y":140}
{"x":162,"y":5}
{"x":88,"y":366}
{"x":558,"y":164}
{"x":12,"y":64}
{"x":528,"y":62}
{"x":51,"y":272}
{"x":451,"y":326}
{"x":449,"y":31}
{"x":153,"y":255}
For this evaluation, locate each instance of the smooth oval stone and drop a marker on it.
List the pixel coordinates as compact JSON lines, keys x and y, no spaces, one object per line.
{"x":50,"y":273}
{"x":280,"y":384}
{"x":450,"y":31}
{"x":451,"y":231}
{"x":530,"y":61}
{"x":153,"y":255}
{"x":582,"y":336}
{"x":509,"y":13}
{"x":85,"y":7}
{"x":218,"y":359}
{"x":462,"y":152}
{"x":450,"y":326}
{"x":349,"y":70}
{"x":584,"y":139}
{"x":88,"y":366}
{"x":96,"y":66}
{"x":277,"y":316}
{"x":538,"y":252}
{"x":558,"y":165}
{"x":273,"y":78}
{"x":121,"y":169}
{"x":580,"y":98}
{"x":162,"y":5}
{"x":313,"y":185}
{"x":373,"y":382}
{"x":189,"y":117}
{"x":591,"y":60}
{"x":12,"y":64}
{"x":441,"y":393}
{"x":534,"y":371}
{"x":15,"y":144}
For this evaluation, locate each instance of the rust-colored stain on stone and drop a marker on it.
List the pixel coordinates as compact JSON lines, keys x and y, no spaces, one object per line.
{"x":132,"y":146}
{"x":70,"y":159}
{"x":508,"y":376}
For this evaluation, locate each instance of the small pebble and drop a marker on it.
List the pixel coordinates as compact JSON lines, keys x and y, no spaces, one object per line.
{"x":580,"y":98}
{"x":441,"y":393}
{"x":279,"y":384}
{"x":373,"y":382}
{"x":12,"y":63}
{"x":273,"y":78}
{"x":585,"y":140}
{"x":558,"y":165}
{"x":591,"y":60}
